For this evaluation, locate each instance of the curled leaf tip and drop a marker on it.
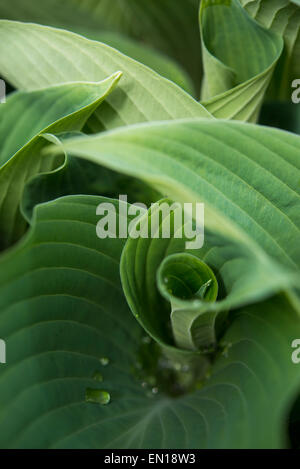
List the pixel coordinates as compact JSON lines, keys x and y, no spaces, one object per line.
{"x":189,"y":285}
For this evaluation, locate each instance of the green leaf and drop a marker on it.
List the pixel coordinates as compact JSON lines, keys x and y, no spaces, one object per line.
{"x":160,"y":24}
{"x":188,"y":283}
{"x":33,"y":56}
{"x":266,"y":333}
{"x":247,"y":175}
{"x":282,"y":17}
{"x":236,"y":75}
{"x":221,"y":318}
{"x":153,"y":59}
{"x":82,"y":19}
{"x":77,"y":176}
{"x":24,"y":117}
{"x":157,"y":266}
{"x":68,"y":280}
{"x":62,"y":310}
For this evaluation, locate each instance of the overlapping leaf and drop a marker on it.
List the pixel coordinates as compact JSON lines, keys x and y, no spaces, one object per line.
{"x":23,"y":118}
{"x":62,"y":306}
{"x":77,"y":176}
{"x":33,"y":56}
{"x":239,"y":59}
{"x":243,"y":277}
{"x":247,"y":175}
{"x":159,"y":23}
{"x":282,"y":17}
{"x":62,"y":309}
{"x":153,"y":59}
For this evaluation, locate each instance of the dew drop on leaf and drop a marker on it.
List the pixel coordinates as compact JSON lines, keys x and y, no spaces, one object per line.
{"x":104,"y":361}
{"x":97,"y":396}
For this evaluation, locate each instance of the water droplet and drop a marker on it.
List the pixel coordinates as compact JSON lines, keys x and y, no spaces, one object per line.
{"x":97,"y":396}
{"x":154,"y":390}
{"x":97,"y":376}
{"x":166,"y":280}
{"x":104,"y":361}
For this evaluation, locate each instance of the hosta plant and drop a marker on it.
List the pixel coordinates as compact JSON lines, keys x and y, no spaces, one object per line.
{"x":139,"y":340}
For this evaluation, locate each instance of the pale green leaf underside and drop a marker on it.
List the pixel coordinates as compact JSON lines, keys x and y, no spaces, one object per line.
{"x":24,"y":117}
{"x":33,"y":56}
{"x":69,"y":282}
{"x":282,"y":17}
{"x":153,"y":59}
{"x":247,"y":175}
{"x":159,"y":23}
{"x":189,"y":285}
{"x":239,"y":58}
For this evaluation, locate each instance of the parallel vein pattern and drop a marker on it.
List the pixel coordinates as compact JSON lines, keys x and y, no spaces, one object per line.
{"x":25,"y":116}
{"x":239,"y":59}
{"x":62,"y":56}
{"x":248,"y":174}
{"x":57,"y":328}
